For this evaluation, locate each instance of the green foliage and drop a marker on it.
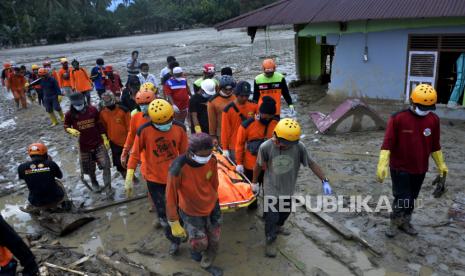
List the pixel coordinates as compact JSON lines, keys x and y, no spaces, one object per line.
{"x":30,"y":21}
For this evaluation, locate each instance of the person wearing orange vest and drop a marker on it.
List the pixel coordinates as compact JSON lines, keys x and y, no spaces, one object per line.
{"x":252,"y":133}
{"x":6,"y":72}
{"x":216,"y":105}
{"x":11,"y":244}
{"x":64,"y":77}
{"x":273,"y":84}
{"x":17,"y":83}
{"x":115,"y":120}
{"x":192,"y":196}
{"x":80,"y":81}
{"x":113,"y":81}
{"x":234,"y":114}
{"x":161,"y":141}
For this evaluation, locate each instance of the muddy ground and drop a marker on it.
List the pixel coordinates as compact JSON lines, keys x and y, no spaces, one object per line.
{"x":312,"y":249}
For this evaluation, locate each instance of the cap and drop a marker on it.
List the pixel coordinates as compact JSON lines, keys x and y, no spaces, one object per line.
{"x":177,"y":70}
{"x":242,"y":88}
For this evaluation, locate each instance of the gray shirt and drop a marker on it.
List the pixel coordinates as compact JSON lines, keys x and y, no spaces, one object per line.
{"x":281,"y":167}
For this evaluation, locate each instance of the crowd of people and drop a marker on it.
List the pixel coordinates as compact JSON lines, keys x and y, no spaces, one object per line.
{"x":146,"y":123}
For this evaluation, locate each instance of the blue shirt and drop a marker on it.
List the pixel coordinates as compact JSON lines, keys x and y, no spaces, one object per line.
{"x":50,"y":87}
{"x":97,"y":77}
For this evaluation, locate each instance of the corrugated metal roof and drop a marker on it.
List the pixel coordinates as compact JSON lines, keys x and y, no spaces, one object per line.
{"x":312,"y":11}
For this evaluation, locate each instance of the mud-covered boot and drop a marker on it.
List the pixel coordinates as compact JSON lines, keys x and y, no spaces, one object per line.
{"x":95,"y":185}
{"x":53,"y":119}
{"x":393,"y":228}
{"x":407,"y":227}
{"x":207,"y":259}
{"x":174,"y":249}
{"x":271,"y":249}
{"x":62,"y":116}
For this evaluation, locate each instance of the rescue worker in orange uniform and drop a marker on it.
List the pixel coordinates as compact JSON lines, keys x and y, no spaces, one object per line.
{"x":115,"y":119}
{"x":80,"y":81}
{"x":6,"y":72}
{"x":17,"y":83}
{"x":35,"y":83}
{"x":143,"y":98}
{"x":216,"y":105}
{"x":252,"y":133}
{"x":192,"y":196}
{"x":12,"y":244}
{"x":161,"y":141}
{"x":234,"y":114}
{"x":273,"y":84}
{"x":64,"y":77}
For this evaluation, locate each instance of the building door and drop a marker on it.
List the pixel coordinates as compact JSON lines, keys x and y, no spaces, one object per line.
{"x":421,"y":69}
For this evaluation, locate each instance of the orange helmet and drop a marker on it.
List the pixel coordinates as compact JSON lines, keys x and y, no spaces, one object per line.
{"x":268,"y":65}
{"x":424,"y":94}
{"x":145,"y":96}
{"x":42,"y":71}
{"x":37,"y":149}
{"x":6,"y":65}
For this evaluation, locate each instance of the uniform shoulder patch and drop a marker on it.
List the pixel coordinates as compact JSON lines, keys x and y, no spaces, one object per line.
{"x":178,"y":123}
{"x":248,"y":122}
{"x":139,"y":130}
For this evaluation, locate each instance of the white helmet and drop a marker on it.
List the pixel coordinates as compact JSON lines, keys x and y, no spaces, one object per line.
{"x":209,"y":86}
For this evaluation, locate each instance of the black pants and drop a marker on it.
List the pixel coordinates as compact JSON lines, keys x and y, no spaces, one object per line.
{"x":405,"y":189}
{"x":40,"y":96}
{"x":11,"y":240}
{"x":276,"y":218}
{"x":116,"y":152}
{"x":157,"y":193}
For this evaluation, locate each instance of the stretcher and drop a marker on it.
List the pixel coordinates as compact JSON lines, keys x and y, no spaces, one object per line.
{"x":234,"y":190}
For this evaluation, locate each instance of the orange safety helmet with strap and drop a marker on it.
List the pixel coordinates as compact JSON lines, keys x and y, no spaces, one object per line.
{"x":42,"y":71}
{"x":37,"y":149}
{"x":268,"y":65}
{"x":5,"y":256}
{"x":424,"y":94}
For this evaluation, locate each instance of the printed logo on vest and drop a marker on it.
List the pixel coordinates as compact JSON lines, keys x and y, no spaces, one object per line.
{"x":427,"y":132}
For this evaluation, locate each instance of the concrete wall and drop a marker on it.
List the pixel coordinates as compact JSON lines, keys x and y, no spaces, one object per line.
{"x":383,"y":76}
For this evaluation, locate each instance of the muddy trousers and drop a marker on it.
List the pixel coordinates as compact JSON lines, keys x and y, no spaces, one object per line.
{"x":275,"y":218}
{"x":405,"y":189}
{"x":116,"y":152}
{"x":99,"y":156}
{"x":11,"y":240}
{"x":157,"y":193}
{"x":20,"y":97}
{"x":203,"y":231}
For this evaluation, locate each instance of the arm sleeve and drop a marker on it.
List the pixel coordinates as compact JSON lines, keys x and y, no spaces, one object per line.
{"x":56,"y":170}
{"x":184,"y":143}
{"x":436,"y":137}
{"x":389,"y":136}
{"x":131,"y":134}
{"x":172,"y":197}
{"x":99,"y":123}
{"x":192,"y":105}
{"x":240,"y":145}
{"x":262,"y":156}
{"x":256,"y":92}
{"x":225,"y":131}
{"x":102,"y":121}
{"x":305,"y":158}
{"x":56,"y":87}
{"x":134,"y":157}
{"x":72,"y":79}
{"x":285,"y":92}
{"x":211,"y":118}
{"x":215,"y":180}
{"x":68,"y":123}
{"x":60,"y":81}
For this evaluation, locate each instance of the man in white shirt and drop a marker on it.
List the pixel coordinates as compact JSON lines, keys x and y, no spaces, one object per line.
{"x":145,"y":76}
{"x":167,"y":70}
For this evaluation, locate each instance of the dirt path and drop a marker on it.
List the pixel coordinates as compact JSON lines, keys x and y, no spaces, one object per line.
{"x":350,"y":161}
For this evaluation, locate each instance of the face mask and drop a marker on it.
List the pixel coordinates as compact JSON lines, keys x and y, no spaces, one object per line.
{"x":164,"y":127}
{"x":144,"y":108}
{"x":421,"y":112}
{"x":205,"y":95}
{"x":201,"y":159}
{"x":79,"y":107}
{"x":225,"y":94}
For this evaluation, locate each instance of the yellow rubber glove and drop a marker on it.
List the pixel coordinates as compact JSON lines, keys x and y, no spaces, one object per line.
{"x":177,"y":230}
{"x":60,"y":98}
{"x":73,"y":132}
{"x":383,"y":165}
{"x":106,"y":142}
{"x":129,"y":183}
{"x":438,"y":158}
{"x":198,"y":129}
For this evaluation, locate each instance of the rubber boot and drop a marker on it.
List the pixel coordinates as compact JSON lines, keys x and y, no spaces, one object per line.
{"x":407,"y":227}
{"x":207,"y":258}
{"x":53,"y":119}
{"x":271,"y":249}
{"x":62,"y":116}
{"x":393,"y":228}
{"x":174,"y":249}
{"x":95,"y":185}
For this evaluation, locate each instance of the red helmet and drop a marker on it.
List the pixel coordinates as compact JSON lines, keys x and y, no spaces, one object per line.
{"x":108,"y":68}
{"x":42,"y":71}
{"x":145,"y":96}
{"x":6,"y":65}
{"x":209,"y":68}
{"x":47,"y":63}
{"x":37,"y":149}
